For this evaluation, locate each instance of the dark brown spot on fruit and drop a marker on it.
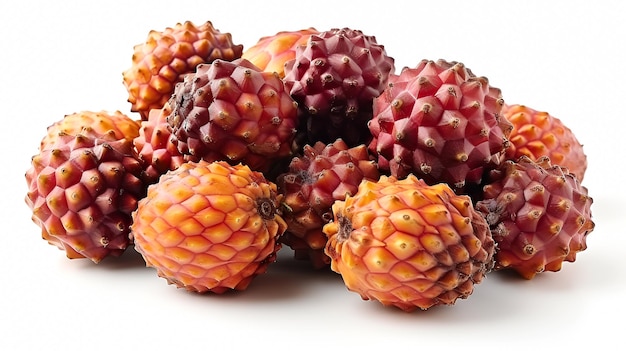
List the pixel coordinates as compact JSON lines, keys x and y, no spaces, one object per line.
{"x":266,"y":208}
{"x":345,"y":228}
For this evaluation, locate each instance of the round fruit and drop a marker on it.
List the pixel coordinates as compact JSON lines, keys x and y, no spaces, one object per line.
{"x":209,"y":227}
{"x":539,"y":215}
{"x":271,"y":53}
{"x":82,"y":192}
{"x":101,"y":125}
{"x":440,"y":122}
{"x":166,"y":56}
{"x":323,"y":174}
{"x":232,"y":111}
{"x":408,"y":244}
{"x":537,"y":133}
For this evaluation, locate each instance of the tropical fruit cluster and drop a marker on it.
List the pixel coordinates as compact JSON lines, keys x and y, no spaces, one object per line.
{"x":412,"y":184}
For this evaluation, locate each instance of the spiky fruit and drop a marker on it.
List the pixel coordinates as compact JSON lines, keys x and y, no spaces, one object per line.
{"x":233,"y":111}
{"x":537,"y":133}
{"x":408,"y":244}
{"x":166,"y":56}
{"x":440,"y":122}
{"x":96,"y":124}
{"x":271,"y":52}
{"x":334,"y":79}
{"x":82,"y":192}
{"x":155,"y":147}
{"x":209,"y":227}
{"x":539,"y":215}
{"x":314,"y":181}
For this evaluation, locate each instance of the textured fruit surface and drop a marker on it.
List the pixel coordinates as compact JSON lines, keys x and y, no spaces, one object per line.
{"x":314,"y":181}
{"x":234,"y":112}
{"x":209,"y":227}
{"x":96,"y":124}
{"x":537,"y":133}
{"x":82,"y":192}
{"x":166,"y":56}
{"x":408,"y":244}
{"x":155,"y":147}
{"x":539,"y":216}
{"x":271,"y":52}
{"x":334,"y":78}
{"x":440,"y":122}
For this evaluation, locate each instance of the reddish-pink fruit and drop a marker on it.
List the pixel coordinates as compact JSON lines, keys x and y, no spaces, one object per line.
{"x":440,"y":122}
{"x":82,"y":192}
{"x":539,"y":215}
{"x":334,"y":78}
{"x":314,"y":181}
{"x":155,"y":147}
{"x":232,"y":111}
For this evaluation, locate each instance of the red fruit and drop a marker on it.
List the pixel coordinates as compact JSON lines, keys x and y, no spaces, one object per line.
{"x":539,"y":216}
{"x":155,"y":147}
{"x":234,"y":112}
{"x":313,"y":182}
{"x":334,"y":79}
{"x":82,"y":191}
{"x":440,"y":122}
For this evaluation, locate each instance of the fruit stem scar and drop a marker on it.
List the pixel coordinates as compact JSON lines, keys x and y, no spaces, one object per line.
{"x":345,"y":228}
{"x":266,"y":208}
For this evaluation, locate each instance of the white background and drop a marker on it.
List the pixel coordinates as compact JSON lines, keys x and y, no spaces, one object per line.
{"x":564,"y":57}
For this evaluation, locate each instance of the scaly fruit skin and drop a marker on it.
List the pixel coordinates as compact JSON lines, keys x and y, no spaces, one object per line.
{"x":539,"y":216}
{"x":234,"y":112}
{"x":314,"y":181}
{"x":440,"y":122}
{"x":166,"y":56}
{"x":334,"y":79}
{"x":96,"y":124}
{"x":271,"y":53}
{"x":537,"y":133}
{"x":408,"y":244}
{"x":209,"y":227}
{"x":82,"y":192}
{"x":155,"y":147}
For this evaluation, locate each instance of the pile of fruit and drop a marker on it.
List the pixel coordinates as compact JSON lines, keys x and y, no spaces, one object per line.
{"x":413,"y":185}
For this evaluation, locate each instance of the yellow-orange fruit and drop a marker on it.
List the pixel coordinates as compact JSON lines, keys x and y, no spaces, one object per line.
{"x":271,"y":52}
{"x":103,"y":125}
{"x":408,"y":244}
{"x":166,"y":56}
{"x":209,"y":226}
{"x":537,"y":133}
